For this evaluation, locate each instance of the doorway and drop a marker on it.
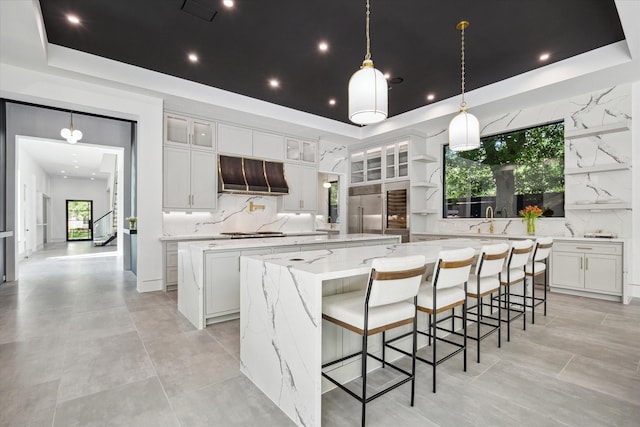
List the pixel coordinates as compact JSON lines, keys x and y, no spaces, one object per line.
{"x":79,"y":220}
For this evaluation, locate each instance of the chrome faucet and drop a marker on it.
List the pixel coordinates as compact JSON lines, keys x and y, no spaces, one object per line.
{"x":487,"y":217}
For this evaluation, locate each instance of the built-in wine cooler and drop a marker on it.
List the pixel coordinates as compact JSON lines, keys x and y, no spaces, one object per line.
{"x":396,"y":218}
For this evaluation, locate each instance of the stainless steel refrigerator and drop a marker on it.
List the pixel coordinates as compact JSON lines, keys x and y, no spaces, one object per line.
{"x":365,"y":209}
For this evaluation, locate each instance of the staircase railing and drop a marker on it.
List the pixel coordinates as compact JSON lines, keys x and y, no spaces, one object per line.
{"x":103,"y":226}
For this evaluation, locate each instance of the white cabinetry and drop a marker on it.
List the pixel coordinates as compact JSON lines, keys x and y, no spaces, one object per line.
{"x":187,"y":131}
{"x":189,"y":179}
{"x":397,"y":160}
{"x":222,"y":281}
{"x":251,"y":143}
{"x":384,"y":163}
{"x":594,"y":268}
{"x":171,"y":265}
{"x":303,"y":188}
{"x":299,"y":150}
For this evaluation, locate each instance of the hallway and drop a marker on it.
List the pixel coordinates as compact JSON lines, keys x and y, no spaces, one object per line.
{"x":79,"y":346}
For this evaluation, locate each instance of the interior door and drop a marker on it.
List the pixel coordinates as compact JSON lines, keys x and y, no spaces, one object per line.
{"x":79,"y":220}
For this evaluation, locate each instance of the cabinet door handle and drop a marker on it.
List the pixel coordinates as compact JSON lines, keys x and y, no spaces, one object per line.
{"x":586,"y":263}
{"x":584,"y":247}
{"x":581,"y":263}
{"x":193,"y":199}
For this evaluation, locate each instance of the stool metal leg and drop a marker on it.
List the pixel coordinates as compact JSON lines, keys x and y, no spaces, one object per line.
{"x":364,"y":377}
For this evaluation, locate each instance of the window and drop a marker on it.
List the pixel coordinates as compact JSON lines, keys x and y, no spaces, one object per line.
{"x":333,"y":210}
{"x":508,"y":172}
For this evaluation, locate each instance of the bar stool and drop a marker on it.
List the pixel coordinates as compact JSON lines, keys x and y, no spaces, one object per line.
{"x":538,"y":265}
{"x":444,"y":293}
{"x":487,"y":281}
{"x":389,"y":302}
{"x":514,"y":273}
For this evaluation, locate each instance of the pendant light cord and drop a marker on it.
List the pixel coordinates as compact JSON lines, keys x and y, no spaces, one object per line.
{"x":367,"y":57}
{"x":463,"y":103}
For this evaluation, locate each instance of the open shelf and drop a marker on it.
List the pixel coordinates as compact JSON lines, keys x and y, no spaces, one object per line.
{"x":597,"y":168}
{"x":425,"y":212}
{"x":597,"y":130}
{"x":426,"y":184}
{"x":424,"y":158}
{"x":598,"y":206}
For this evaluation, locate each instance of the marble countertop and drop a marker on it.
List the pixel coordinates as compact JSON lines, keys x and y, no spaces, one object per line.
{"x":471,"y":235}
{"x":336,"y":263}
{"x":232,"y":244}
{"x":185,"y":237}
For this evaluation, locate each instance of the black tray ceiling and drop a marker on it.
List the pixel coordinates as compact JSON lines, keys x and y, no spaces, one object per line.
{"x":239,"y":49}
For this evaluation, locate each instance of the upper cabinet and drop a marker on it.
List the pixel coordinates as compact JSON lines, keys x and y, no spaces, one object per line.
{"x":250,"y":143}
{"x":397,"y":160}
{"x":187,"y":131}
{"x":386,"y":163}
{"x":302,"y":151}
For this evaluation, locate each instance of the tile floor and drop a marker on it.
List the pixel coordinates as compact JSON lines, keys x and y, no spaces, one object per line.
{"x":79,"y":346}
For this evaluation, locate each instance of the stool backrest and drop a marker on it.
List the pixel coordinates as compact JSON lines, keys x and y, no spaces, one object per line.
{"x":543,"y":248}
{"x":491,"y":259}
{"x":395,"y":279}
{"x":453,"y":268}
{"x":520,"y":253}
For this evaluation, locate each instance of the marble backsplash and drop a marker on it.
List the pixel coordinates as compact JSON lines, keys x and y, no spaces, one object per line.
{"x":600,"y":108}
{"x":232,"y":215}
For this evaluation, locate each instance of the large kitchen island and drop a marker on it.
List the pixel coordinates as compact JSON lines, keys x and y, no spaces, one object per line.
{"x":283,"y":339}
{"x":209,"y":271}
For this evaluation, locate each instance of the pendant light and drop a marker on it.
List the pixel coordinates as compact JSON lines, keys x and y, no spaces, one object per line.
{"x":367,"y":90}
{"x":70,"y":134}
{"x":464,"y":129}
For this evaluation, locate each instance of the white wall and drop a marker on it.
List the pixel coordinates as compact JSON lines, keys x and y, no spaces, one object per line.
{"x":74,"y":189}
{"x":33,"y":182}
{"x":48,"y":89}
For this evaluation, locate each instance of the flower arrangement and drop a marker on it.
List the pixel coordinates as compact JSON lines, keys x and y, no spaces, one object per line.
{"x":529,"y":214}
{"x":132,"y":222}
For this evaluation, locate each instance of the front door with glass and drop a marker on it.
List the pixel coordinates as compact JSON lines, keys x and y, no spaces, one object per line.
{"x":79,"y":220}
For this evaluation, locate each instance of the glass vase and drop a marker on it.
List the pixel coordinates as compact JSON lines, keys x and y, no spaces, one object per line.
{"x":531,"y":226}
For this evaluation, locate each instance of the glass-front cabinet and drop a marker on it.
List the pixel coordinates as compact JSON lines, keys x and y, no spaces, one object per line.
{"x":397,"y":160}
{"x":303,"y":151}
{"x":374,"y":164}
{"x":188,"y":131}
{"x":387,"y":163}
{"x":357,"y":168}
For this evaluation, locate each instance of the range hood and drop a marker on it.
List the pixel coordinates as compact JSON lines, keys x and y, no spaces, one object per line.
{"x":242,"y":175}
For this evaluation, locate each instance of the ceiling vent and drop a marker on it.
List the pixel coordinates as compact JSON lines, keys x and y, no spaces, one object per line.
{"x":202,"y":9}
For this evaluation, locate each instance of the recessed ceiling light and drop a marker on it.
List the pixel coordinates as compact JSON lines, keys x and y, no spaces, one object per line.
{"x":65,"y":177}
{"x":323,"y":46}
{"x":274,"y":83}
{"x":431,"y":97}
{"x":193,"y":57}
{"x":228,"y":3}
{"x":93,"y":173}
{"x":544,"y":56}
{"x":73,"y":19}
{"x":92,"y":178}
{"x":62,"y":172}
{"x":332,"y":101}
{"x":75,"y":161}
{"x":77,"y":167}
